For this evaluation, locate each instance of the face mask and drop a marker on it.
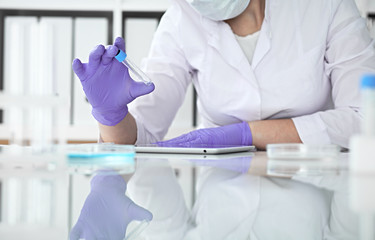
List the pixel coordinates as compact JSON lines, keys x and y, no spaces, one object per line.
{"x":220,"y":9}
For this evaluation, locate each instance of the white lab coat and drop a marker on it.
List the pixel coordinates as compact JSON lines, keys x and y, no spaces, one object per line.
{"x":243,"y":207}
{"x":343,"y":221}
{"x":306,"y":66}
{"x":229,"y":205}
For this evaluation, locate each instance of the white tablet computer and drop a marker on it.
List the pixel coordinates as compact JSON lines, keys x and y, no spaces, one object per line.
{"x":154,"y":148}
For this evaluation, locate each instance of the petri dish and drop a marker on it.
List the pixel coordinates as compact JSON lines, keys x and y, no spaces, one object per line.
{"x":287,"y":168}
{"x":94,"y":157}
{"x":303,"y":151}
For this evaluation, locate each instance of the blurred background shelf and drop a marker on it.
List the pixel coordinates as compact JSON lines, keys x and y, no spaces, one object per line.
{"x":87,"y":5}
{"x":74,"y":27}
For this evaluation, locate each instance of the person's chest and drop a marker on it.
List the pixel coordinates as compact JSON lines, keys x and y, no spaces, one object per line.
{"x":287,"y":77}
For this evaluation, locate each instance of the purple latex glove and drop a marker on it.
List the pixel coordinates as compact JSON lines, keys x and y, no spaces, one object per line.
{"x":107,"y":211}
{"x":107,"y":84}
{"x":230,"y":135}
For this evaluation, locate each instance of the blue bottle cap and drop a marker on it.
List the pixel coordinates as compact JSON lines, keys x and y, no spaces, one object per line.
{"x":368,"y":81}
{"x":121,"y":56}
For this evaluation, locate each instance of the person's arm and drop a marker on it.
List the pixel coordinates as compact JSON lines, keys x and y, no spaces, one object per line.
{"x":125,"y":132}
{"x":168,"y":67}
{"x":109,"y":89}
{"x":350,"y":54}
{"x":257,"y":133}
{"x":273,"y":131}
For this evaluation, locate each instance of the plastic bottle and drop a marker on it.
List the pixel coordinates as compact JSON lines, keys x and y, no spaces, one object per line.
{"x":362,"y":163}
{"x":368,"y":104}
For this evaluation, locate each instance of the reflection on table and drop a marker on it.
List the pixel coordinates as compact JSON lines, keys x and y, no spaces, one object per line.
{"x":231,"y":196}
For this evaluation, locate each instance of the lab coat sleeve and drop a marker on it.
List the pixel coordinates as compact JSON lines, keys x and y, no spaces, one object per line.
{"x":167,"y":67}
{"x":349,"y":55}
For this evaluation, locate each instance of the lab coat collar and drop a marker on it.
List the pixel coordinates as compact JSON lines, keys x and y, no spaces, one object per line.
{"x":223,"y":40}
{"x":265,"y":36}
{"x":263,"y":45}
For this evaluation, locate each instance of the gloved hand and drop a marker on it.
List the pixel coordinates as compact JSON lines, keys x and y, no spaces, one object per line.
{"x":107,"y":211}
{"x":107,"y":84}
{"x":234,"y":134}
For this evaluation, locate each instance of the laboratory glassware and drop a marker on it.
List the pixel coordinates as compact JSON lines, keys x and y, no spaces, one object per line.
{"x":138,"y":74}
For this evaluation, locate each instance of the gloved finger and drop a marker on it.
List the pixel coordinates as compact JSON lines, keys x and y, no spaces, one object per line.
{"x":109,"y":54}
{"x":139,"y":89}
{"x":75,"y":233}
{"x":139,"y":213}
{"x":96,"y":56}
{"x":78,"y":68}
{"x":120,"y":43}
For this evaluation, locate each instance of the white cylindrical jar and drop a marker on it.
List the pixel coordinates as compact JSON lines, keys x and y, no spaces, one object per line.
{"x":368,"y":104}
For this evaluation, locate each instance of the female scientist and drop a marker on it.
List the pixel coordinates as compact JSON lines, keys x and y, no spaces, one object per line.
{"x":266,"y":71}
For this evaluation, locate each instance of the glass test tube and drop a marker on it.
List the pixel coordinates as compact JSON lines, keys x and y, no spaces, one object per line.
{"x":133,"y":234}
{"x":138,"y":74}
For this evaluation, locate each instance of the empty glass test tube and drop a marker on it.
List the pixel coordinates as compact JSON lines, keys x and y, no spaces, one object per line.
{"x":138,"y":74}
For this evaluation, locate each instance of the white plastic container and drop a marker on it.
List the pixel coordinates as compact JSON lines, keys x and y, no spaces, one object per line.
{"x":362,"y":147}
{"x":362,"y":163}
{"x":368,"y":105}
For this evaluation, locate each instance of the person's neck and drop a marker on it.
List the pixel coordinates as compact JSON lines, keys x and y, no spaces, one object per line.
{"x":250,"y":21}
